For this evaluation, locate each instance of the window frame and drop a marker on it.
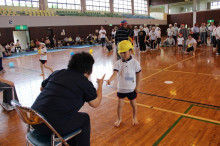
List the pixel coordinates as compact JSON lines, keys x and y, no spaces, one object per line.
{"x":64,"y":4}
{"x":140,"y":7}
{"x":126,"y":4}
{"x":20,"y":3}
{"x":98,"y":5}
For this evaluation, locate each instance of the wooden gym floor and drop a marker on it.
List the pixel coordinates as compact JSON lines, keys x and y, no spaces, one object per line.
{"x":186,"y":112}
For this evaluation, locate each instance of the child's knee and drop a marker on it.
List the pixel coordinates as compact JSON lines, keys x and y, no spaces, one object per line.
{"x":120,"y":104}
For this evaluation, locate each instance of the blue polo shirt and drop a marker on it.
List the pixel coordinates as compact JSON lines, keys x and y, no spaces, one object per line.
{"x":65,"y":91}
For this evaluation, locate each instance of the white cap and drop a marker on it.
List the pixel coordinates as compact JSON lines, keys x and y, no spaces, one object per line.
{"x":41,"y":43}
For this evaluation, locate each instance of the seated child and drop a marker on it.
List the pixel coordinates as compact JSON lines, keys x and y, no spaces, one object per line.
{"x":169,"y":41}
{"x":191,"y":44}
{"x":108,"y":45}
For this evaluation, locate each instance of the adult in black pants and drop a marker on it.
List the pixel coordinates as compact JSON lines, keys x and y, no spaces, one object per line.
{"x":142,"y":39}
{"x":121,"y":34}
{"x":102,"y":34}
{"x":218,"y":45}
{"x":63,"y":94}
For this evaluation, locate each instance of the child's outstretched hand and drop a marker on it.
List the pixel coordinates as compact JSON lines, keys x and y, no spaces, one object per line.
{"x":108,"y":82}
{"x":100,"y":81}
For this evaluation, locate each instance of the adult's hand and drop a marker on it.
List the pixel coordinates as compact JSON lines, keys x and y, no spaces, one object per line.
{"x":100,"y":81}
{"x":95,"y":103}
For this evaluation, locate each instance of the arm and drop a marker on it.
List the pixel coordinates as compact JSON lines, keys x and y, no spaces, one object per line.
{"x":112,"y":77}
{"x":6,"y":82}
{"x":137,"y":81}
{"x":44,"y":83}
{"x":95,"y":103}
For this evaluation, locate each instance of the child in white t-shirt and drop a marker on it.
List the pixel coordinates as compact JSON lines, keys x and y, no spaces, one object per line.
{"x":180,"y":40}
{"x":191,"y":44}
{"x":158,"y":31}
{"x":42,"y":51}
{"x":127,"y":70}
{"x":153,"y":38}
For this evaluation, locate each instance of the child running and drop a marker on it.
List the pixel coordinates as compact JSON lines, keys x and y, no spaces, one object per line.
{"x":127,"y":71}
{"x":42,"y":51}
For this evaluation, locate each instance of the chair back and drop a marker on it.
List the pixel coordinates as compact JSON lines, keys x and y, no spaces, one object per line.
{"x":32,"y":117}
{"x":26,"y":114}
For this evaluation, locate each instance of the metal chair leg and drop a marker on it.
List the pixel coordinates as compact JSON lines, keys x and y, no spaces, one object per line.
{"x":53,"y":140}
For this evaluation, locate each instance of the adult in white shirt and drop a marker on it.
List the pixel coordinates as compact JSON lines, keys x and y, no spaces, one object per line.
{"x":175,"y":28}
{"x":102,"y":35}
{"x":211,"y":28}
{"x":136,"y":35}
{"x":218,"y":39}
{"x":214,"y":39}
{"x":146,"y":29}
{"x":157,"y":27}
{"x":170,"y":30}
{"x":191,"y":44}
{"x":203,"y":31}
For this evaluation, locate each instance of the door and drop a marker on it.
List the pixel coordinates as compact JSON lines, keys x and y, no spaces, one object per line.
{"x":23,"y":37}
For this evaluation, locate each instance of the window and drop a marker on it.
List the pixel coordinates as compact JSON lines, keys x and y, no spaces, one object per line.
{"x":97,"y":5}
{"x":64,"y":4}
{"x":140,"y":7}
{"x":21,"y":3}
{"x":215,"y":5}
{"x":122,"y":6}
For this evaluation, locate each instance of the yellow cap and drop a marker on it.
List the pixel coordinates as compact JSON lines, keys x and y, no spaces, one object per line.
{"x":125,"y":46}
